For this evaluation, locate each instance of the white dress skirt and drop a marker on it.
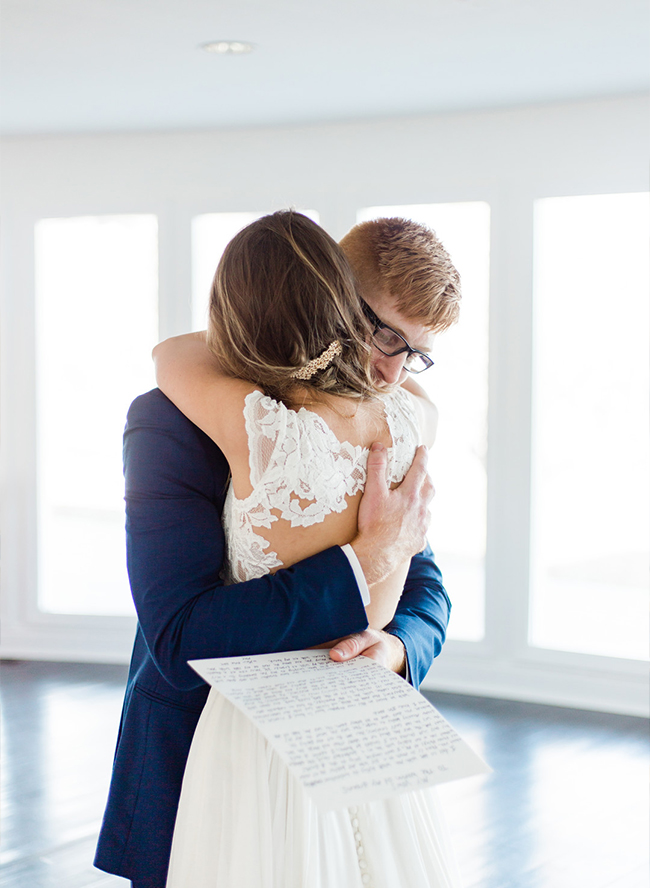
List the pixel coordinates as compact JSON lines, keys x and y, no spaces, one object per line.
{"x":244,"y":821}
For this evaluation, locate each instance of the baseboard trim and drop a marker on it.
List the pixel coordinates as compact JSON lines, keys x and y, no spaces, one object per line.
{"x":576,"y":688}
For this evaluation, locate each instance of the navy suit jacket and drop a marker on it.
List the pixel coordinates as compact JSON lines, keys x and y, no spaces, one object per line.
{"x":176,"y":480}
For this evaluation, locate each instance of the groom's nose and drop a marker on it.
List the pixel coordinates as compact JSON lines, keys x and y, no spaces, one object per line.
{"x":388,"y":371}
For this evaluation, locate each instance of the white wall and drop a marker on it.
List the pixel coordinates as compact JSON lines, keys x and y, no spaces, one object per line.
{"x":507,"y":158}
{"x":555,"y":149}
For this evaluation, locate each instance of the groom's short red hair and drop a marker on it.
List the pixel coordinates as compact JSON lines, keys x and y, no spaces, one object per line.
{"x":406,"y":261}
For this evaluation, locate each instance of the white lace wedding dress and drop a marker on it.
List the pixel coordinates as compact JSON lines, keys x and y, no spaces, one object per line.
{"x":243,"y":820}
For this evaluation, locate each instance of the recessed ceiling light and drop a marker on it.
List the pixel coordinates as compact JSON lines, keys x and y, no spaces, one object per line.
{"x":227,"y":47}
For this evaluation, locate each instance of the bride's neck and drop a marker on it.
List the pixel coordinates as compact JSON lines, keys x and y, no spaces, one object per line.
{"x":346,"y":408}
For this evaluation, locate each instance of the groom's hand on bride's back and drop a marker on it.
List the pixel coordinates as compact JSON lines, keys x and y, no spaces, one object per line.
{"x":392,"y":523}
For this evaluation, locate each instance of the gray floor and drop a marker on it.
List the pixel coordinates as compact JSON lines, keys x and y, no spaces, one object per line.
{"x":566,"y":806}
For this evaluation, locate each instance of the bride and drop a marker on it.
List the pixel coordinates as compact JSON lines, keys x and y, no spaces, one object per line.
{"x":283,"y":384}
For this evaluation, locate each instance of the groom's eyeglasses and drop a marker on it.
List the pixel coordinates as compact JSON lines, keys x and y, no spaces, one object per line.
{"x":391,"y":343}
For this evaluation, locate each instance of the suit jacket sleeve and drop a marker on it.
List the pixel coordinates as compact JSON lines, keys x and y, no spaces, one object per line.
{"x":175,"y":484}
{"x":422,"y":615}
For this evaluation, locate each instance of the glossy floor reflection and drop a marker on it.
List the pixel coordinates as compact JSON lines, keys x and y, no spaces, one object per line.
{"x":566,"y":806}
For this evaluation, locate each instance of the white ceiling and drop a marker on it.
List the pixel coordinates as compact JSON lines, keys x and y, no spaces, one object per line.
{"x":100,"y":65}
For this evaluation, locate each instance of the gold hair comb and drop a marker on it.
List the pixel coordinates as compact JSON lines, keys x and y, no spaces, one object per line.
{"x":323,"y":360}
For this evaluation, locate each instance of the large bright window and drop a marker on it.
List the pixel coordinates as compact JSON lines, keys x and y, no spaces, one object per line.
{"x":96,"y":323}
{"x":590,"y":454}
{"x":458,"y":384}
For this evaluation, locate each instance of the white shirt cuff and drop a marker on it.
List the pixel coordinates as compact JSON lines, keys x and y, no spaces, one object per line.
{"x":359,"y":576}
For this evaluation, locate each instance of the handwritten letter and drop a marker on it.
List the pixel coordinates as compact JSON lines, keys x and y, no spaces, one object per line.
{"x":352,"y":732}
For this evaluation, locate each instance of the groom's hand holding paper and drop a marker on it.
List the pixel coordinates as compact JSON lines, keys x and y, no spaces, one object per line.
{"x":351,"y":732}
{"x":380,"y":646}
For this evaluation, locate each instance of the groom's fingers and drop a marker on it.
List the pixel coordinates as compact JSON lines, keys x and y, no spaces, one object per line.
{"x":376,"y":489}
{"x":352,"y":645}
{"x":376,"y":644}
{"x":417,"y":491}
{"x":417,"y":482}
{"x":392,"y":524}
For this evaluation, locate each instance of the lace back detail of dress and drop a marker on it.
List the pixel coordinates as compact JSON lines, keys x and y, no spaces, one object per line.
{"x":301,"y":472}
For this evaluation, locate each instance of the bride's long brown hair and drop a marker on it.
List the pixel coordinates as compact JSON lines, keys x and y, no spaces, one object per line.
{"x":283,"y":292}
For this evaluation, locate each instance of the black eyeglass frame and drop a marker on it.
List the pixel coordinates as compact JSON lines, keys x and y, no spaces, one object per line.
{"x":380,"y":325}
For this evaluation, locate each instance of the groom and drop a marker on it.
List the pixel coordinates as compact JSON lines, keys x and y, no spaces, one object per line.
{"x":175,"y":486}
